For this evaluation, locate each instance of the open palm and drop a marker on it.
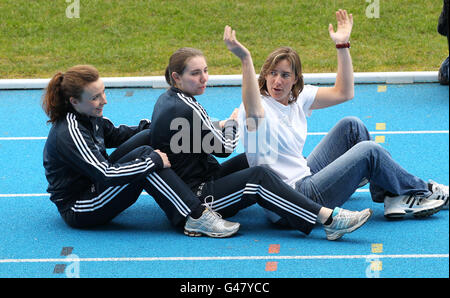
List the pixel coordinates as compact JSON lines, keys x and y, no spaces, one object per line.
{"x":229,"y":37}
{"x":344,"y":27}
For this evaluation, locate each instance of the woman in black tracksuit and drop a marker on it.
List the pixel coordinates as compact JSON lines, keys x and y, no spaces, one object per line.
{"x":183,"y":130}
{"x":88,"y":186}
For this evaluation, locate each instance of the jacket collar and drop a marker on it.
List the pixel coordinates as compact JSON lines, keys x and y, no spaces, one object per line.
{"x":81,"y":117}
{"x":176,"y":90}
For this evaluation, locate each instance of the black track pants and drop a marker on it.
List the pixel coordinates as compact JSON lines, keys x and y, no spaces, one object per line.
{"x":243,"y":188}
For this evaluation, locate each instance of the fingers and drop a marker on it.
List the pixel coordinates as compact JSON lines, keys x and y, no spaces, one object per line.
{"x":165,"y":159}
{"x":330,"y":28}
{"x":229,"y":34}
{"x":343,"y":17}
{"x":235,"y":114}
{"x":226,"y":32}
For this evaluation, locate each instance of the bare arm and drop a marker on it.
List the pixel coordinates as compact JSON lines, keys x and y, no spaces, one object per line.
{"x":343,"y":88}
{"x":250,"y":90}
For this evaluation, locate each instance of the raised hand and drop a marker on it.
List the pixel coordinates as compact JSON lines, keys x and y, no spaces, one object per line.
{"x":344,"y":27}
{"x":229,"y":37}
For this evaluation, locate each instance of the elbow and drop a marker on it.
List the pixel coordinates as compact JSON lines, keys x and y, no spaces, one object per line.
{"x":346,"y":96}
{"x":349,"y":96}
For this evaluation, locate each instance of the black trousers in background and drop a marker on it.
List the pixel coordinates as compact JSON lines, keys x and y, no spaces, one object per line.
{"x":102,"y":203}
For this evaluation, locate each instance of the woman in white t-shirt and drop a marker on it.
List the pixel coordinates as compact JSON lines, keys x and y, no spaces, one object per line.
{"x":273,"y":120}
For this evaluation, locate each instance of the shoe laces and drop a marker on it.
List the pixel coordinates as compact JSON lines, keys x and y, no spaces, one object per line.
{"x":209,"y":207}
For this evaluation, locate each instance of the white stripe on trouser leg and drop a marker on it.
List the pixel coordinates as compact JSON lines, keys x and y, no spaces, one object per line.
{"x":268,"y":196}
{"x":171,"y":191}
{"x":99,"y":197}
{"x":305,"y":214}
{"x":99,"y":201}
{"x":163,"y":188}
{"x":227,"y":200}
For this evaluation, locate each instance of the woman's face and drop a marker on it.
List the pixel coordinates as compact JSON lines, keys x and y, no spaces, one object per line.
{"x":194,"y":78}
{"x":280,"y":80}
{"x":92,"y":100}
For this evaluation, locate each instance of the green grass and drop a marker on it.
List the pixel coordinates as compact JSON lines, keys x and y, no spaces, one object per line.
{"x":136,"y":37}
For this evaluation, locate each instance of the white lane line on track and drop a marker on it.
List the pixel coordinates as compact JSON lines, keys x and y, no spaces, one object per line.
{"x":238,"y":258}
{"x":310,"y":134}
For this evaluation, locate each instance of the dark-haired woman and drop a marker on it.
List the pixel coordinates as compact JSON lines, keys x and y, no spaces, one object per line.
{"x":274,"y":121}
{"x":182,"y":128}
{"x":90,"y":187}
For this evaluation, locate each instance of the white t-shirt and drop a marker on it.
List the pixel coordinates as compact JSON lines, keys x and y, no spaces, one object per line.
{"x":278,"y":141}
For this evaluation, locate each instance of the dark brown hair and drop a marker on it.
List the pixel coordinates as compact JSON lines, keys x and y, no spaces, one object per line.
{"x":63,"y":86}
{"x":283,"y":53}
{"x":178,"y":62}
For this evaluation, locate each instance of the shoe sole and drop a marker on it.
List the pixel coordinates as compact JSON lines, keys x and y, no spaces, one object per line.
{"x":417,"y":214}
{"x":341,"y":233}
{"x":195,"y":233}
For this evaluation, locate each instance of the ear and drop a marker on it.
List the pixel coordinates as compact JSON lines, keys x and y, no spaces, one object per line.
{"x":73,"y":101}
{"x":175,"y":77}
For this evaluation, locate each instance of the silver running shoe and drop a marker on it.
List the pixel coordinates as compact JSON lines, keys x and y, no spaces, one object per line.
{"x":399,"y":206}
{"x":440,"y":192}
{"x":210,"y":224}
{"x":346,"y":222}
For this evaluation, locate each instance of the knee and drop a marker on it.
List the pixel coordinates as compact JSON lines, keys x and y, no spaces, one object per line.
{"x":355,"y":128}
{"x":265,"y":175}
{"x":370,"y":148}
{"x":351,"y":121}
{"x":145,"y":149}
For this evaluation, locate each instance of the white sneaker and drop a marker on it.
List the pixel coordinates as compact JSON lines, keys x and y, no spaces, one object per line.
{"x":346,"y":222}
{"x":399,"y":206}
{"x":210,"y":224}
{"x":440,"y":192}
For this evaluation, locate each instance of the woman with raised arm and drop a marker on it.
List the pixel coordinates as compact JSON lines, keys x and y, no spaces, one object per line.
{"x":274,"y":126}
{"x":184,"y":131}
{"x":90,"y":187}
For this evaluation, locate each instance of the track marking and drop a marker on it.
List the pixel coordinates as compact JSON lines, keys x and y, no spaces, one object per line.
{"x":274,"y":248}
{"x":380,"y":139}
{"x":224,"y":258}
{"x":271,"y":266}
{"x":377,"y":248}
{"x":22,"y":138}
{"x":380,"y":126}
{"x":381,"y":88}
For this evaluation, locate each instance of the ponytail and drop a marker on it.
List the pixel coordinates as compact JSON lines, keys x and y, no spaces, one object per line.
{"x":56,"y":99}
{"x":169,"y":79}
{"x":53,"y":104}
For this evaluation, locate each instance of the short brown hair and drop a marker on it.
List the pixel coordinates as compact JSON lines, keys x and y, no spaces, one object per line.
{"x":283,"y":53}
{"x":63,"y":86}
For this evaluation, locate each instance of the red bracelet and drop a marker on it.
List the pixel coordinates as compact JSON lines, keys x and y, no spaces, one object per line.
{"x":343,"y":45}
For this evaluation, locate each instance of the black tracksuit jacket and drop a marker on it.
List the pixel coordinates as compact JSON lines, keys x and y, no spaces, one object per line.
{"x":184,"y":131}
{"x":75,"y":157}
